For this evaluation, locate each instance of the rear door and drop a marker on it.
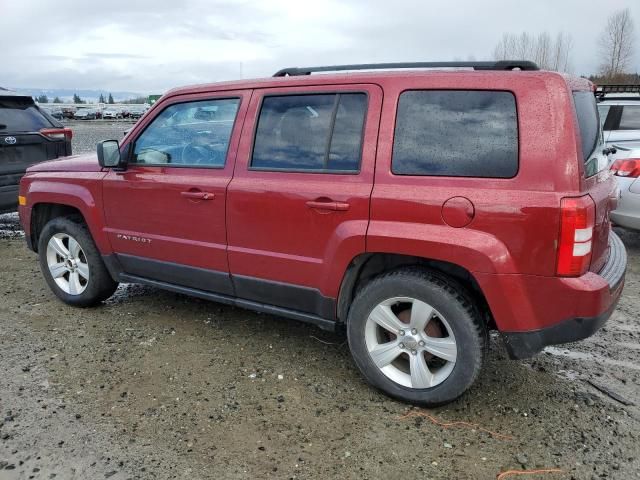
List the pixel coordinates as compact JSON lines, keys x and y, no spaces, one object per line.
{"x":165,"y":215}
{"x":298,"y":204}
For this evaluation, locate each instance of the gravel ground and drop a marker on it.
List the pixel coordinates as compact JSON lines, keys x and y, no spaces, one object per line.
{"x":156,"y":385}
{"x":87,"y":133}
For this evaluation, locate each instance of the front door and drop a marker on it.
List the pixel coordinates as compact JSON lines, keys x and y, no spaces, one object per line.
{"x":165,"y":214}
{"x":298,"y":204}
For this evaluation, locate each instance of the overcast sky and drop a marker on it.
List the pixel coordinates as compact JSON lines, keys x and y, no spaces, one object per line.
{"x":148,"y":46}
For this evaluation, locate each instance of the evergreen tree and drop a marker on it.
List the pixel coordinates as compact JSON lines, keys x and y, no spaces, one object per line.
{"x":57,"y":100}
{"x":101,"y":99}
{"x":111,"y":102}
{"x":42,"y":99}
{"x":77,"y":99}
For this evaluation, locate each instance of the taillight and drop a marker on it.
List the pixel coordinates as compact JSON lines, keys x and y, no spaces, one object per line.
{"x":628,"y":167}
{"x":577,"y":218}
{"x":57,"y":133}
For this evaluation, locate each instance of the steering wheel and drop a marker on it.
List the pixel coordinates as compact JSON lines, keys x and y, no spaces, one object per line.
{"x":194,"y":154}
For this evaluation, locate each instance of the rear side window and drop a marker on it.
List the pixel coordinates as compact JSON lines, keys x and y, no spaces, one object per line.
{"x":18,"y":115}
{"x":317,"y":133}
{"x":456,"y":133}
{"x":588,"y":121}
{"x":630,"y":119}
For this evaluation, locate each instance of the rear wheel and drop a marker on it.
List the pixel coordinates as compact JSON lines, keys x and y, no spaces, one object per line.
{"x":416,"y":335}
{"x":72,"y":265}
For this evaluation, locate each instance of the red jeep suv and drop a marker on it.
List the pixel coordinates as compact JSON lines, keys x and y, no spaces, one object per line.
{"x":418,"y":208}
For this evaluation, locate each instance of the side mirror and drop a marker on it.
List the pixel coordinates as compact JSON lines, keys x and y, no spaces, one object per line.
{"x":109,"y":154}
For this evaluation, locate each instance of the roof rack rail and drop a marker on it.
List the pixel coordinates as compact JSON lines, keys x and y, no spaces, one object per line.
{"x":617,"y":88}
{"x":499,"y":65}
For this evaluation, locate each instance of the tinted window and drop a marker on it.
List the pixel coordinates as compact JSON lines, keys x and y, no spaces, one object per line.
{"x":630,"y":119}
{"x":193,"y":134}
{"x":456,"y":133}
{"x":20,"y":115}
{"x":588,"y":121}
{"x":310,"y":132}
{"x":603,"y":111}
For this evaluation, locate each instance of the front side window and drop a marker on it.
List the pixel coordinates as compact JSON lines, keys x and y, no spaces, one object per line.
{"x":630,"y":119}
{"x":460,"y":133}
{"x":317,"y":133}
{"x":192,"y":134}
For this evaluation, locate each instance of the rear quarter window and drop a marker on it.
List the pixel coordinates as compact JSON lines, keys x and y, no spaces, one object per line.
{"x":458,"y":133}
{"x":590,"y":130}
{"x":17,"y":115}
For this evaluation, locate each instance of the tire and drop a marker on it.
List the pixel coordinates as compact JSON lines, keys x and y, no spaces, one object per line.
{"x":81,"y":260}
{"x":440,"y":359}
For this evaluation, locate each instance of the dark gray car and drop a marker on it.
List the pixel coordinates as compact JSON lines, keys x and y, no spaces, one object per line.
{"x":28,"y":135}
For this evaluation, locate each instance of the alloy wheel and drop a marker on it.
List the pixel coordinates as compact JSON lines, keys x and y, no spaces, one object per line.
{"x":67,"y":264}
{"x":411,"y":342}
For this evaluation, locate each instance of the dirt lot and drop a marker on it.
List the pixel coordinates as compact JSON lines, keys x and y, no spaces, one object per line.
{"x":158,"y":385}
{"x":87,"y":133}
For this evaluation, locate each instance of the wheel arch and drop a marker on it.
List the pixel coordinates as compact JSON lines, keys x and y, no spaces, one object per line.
{"x":50,"y":199}
{"x":42,"y":213}
{"x":365,"y":267}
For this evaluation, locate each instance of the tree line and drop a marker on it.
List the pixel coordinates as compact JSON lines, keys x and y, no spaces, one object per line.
{"x":76,"y":99}
{"x":102,"y":99}
{"x":616,"y":48}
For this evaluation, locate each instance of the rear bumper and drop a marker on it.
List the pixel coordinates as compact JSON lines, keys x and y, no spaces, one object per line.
{"x":527,"y":344}
{"x":533,"y":312}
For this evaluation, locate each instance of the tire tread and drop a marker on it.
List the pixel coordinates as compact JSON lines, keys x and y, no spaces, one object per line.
{"x":103,"y":285}
{"x":453,"y":289}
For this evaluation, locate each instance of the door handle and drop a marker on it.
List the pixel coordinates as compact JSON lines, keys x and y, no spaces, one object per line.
{"x":330,"y":205}
{"x":198,"y":195}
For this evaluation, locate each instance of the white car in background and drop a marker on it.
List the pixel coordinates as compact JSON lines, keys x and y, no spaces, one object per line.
{"x":626,"y":168}
{"x":619,"y":108}
{"x":111,"y":113}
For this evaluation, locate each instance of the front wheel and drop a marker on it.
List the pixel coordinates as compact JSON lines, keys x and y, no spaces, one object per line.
{"x":72,"y":265}
{"x":416,"y":336}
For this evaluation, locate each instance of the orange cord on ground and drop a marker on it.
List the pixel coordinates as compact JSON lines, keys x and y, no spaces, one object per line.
{"x":456,"y":424}
{"x":527,"y":472}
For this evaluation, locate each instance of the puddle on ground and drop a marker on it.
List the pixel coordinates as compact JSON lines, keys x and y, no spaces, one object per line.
{"x":570,"y":375}
{"x":590,"y":357}
{"x":632,"y":346}
{"x":625,"y":328}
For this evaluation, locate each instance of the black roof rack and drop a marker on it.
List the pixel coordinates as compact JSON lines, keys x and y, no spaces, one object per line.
{"x":619,"y":88}
{"x":499,"y":65}
{"x":604,"y":89}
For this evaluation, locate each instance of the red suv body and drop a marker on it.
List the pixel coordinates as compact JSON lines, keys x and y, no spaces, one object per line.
{"x":362,"y":198}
